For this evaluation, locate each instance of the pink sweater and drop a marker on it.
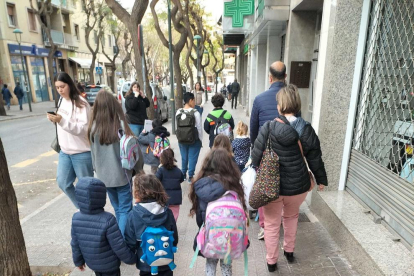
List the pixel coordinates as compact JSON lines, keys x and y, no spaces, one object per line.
{"x":73,"y":128}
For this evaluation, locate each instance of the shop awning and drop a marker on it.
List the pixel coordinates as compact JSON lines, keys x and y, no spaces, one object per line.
{"x":84,"y":62}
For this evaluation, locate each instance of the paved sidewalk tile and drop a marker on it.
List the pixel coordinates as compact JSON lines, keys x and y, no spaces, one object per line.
{"x":47,"y":237}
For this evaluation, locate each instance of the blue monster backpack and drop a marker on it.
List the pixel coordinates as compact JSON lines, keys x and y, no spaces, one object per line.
{"x":157,"y":247}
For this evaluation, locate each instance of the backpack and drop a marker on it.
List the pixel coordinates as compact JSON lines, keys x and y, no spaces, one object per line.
{"x":224,"y":234}
{"x":222,"y":125}
{"x":129,"y":150}
{"x":160,"y":145}
{"x":157,"y":248}
{"x":187,"y":132}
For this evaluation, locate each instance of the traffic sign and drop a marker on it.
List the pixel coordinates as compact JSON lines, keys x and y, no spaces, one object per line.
{"x":98,"y":70}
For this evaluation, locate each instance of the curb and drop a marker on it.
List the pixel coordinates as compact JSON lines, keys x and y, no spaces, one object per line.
{"x":20,"y":117}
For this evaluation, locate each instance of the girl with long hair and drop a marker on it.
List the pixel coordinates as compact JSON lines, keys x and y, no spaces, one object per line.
{"x":171,"y":178}
{"x":199,"y":97}
{"x":106,"y":122}
{"x":71,"y":119}
{"x":136,"y":104}
{"x":218,"y":174}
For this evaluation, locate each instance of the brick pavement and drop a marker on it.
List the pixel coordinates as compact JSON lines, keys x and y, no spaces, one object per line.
{"x":47,"y":236}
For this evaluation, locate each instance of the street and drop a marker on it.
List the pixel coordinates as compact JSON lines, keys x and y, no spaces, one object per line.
{"x":32,"y":163}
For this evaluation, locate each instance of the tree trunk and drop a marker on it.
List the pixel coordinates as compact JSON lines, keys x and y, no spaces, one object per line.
{"x":2,"y":109}
{"x":52,"y":75}
{"x":179,"y":81}
{"x":13,"y":256}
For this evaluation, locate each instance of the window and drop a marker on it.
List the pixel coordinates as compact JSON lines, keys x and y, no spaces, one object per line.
{"x":32,"y":20}
{"x":77,"y":32}
{"x":109,"y":41}
{"x":11,"y":12}
{"x":95,"y":36}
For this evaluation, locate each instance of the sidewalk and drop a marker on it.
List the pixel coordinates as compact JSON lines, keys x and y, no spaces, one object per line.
{"x":38,"y":109}
{"x":47,"y":236}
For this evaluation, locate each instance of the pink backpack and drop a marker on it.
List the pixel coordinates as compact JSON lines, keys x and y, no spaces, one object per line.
{"x":224,"y":232}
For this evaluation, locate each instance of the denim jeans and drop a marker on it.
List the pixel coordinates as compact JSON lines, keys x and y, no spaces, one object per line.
{"x":199,"y":109}
{"x":7,"y":102}
{"x":136,"y":129}
{"x":189,"y":157}
{"x":71,"y":167}
{"x":21,"y":103}
{"x":121,"y":200}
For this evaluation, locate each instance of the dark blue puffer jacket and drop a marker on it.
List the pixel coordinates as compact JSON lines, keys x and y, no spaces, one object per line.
{"x":96,"y":239}
{"x":171,"y":180}
{"x":264,"y":109}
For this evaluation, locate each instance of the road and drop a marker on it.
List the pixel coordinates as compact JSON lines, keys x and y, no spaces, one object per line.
{"x":32,"y":163}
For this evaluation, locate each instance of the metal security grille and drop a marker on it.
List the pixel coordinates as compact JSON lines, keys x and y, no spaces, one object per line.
{"x":385,"y":122}
{"x":381,"y":168}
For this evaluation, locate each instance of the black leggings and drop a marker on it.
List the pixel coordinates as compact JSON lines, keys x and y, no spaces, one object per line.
{"x":114,"y":273}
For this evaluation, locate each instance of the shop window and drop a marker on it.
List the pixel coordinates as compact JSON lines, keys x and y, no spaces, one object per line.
{"x":11,"y":12}
{"x":32,"y":20}
{"x":77,"y":32}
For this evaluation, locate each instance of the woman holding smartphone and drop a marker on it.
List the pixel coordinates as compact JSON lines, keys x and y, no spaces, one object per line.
{"x":72,"y":120}
{"x":136,"y":104}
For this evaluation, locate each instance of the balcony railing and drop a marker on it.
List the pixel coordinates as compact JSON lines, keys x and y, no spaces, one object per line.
{"x":57,"y":37}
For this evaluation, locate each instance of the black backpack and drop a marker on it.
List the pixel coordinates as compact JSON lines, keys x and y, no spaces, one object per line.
{"x":187,"y":132}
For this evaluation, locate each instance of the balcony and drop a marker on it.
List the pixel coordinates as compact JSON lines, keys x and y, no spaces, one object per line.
{"x":71,"y":41}
{"x":57,"y":37}
{"x":68,"y":5}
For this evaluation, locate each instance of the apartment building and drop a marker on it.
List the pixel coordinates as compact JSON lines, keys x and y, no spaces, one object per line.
{"x":68,"y":33}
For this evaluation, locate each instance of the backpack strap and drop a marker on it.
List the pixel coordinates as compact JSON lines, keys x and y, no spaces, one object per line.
{"x":194,"y":259}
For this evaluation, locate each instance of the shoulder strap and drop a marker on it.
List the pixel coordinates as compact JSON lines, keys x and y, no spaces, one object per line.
{"x":210,"y":116}
{"x":222,"y":114}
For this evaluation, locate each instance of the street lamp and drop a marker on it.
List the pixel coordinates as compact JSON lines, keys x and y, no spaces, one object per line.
{"x":18,"y":34}
{"x":205,"y":90}
{"x":198,"y":38}
{"x":172,"y":94}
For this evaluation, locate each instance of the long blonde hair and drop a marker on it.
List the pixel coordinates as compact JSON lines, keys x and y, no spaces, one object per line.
{"x":241,"y":129}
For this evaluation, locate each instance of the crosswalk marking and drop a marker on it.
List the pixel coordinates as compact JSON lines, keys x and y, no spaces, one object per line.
{"x":25,"y":163}
{"x":47,"y":154}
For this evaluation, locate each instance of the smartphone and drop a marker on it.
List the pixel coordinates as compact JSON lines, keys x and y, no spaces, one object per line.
{"x":51,"y":112}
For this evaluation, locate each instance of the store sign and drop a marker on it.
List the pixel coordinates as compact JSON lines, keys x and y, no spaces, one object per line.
{"x":28,"y":50}
{"x":237,"y":10}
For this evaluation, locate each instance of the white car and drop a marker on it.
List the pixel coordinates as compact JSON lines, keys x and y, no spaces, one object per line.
{"x":159,"y":98}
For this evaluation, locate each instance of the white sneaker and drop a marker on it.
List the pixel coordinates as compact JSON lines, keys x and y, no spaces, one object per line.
{"x":260,"y":236}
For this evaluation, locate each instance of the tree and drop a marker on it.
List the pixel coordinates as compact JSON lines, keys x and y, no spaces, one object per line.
{"x":178,"y":16}
{"x":131,"y":21}
{"x":44,"y":10}
{"x":2,"y":109}
{"x":95,"y":14}
{"x":13,"y":256}
{"x":127,"y":50}
{"x":214,"y":49}
{"x":115,"y":31}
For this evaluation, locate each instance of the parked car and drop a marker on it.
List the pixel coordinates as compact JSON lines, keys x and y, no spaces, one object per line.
{"x":92,"y":90}
{"x":159,"y":98}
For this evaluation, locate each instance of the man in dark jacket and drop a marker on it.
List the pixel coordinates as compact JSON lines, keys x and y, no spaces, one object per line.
{"x":96,"y":238}
{"x":265,"y":105}
{"x":18,"y":91}
{"x":6,"y":96}
{"x":235,"y":89}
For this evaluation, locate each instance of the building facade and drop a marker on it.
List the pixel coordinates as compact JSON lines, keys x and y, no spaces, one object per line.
{"x":68,"y":33}
{"x":353,"y":63}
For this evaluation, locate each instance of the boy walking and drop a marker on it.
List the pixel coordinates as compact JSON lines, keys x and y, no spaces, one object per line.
{"x":96,"y":238}
{"x":6,"y":95}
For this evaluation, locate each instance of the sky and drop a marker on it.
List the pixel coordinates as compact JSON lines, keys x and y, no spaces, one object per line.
{"x":215,"y":7}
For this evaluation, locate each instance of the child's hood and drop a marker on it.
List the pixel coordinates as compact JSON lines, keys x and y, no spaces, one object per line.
{"x":151,"y":213}
{"x":91,"y":195}
{"x":208,"y":189}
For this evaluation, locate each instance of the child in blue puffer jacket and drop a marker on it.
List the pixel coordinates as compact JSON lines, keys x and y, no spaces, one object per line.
{"x":96,"y":239}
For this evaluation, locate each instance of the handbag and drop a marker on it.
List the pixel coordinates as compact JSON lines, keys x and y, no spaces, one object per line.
{"x":55,"y":143}
{"x":267,"y":185}
{"x":311,"y":175}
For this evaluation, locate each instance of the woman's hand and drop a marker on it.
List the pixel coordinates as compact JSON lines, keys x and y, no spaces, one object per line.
{"x":142,"y":93}
{"x":54,"y":118}
{"x":321,"y":187}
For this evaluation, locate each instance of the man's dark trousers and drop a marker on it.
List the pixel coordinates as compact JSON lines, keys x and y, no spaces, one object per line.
{"x":234,"y":99}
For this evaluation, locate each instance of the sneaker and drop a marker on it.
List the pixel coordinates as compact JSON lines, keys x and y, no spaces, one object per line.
{"x":260,"y":236}
{"x":272,"y":268}
{"x":289,"y":256}
{"x":190,"y":180}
